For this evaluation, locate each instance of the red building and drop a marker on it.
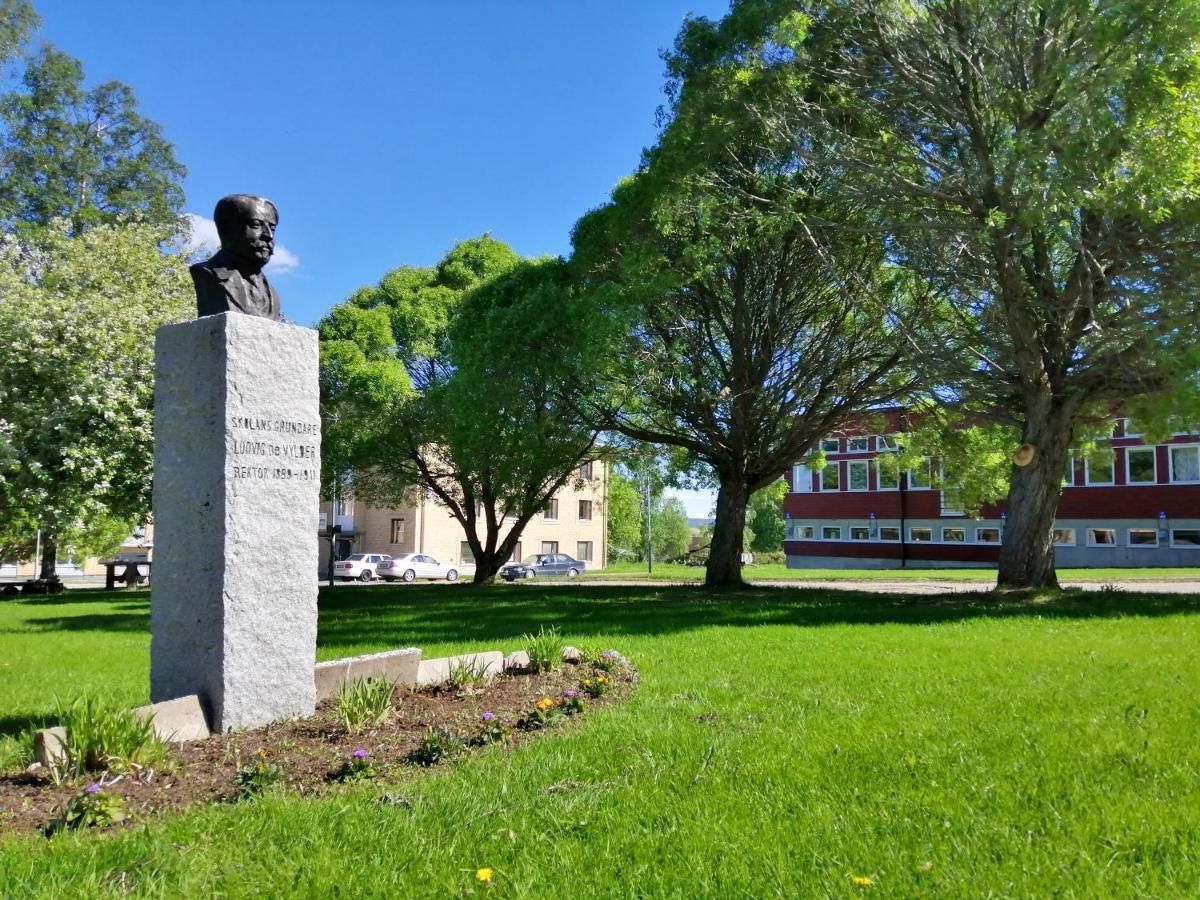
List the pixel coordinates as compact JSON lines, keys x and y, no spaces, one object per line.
{"x":1142,"y":509}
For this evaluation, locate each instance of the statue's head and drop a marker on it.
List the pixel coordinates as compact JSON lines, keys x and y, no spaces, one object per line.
{"x":246,"y":226}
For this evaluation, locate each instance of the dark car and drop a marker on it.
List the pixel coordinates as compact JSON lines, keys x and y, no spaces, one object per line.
{"x":542,"y":565}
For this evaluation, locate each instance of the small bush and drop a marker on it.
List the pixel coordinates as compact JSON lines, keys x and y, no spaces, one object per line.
{"x":102,"y":735}
{"x":544,"y":649}
{"x":93,"y":807}
{"x":358,"y":768}
{"x":256,"y":778}
{"x":438,"y":744}
{"x":467,"y":675}
{"x":492,"y":729}
{"x":596,"y":686}
{"x":769,"y":558}
{"x":364,"y":703}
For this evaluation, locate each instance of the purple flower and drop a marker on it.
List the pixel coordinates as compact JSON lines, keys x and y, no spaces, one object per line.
{"x":92,"y":789}
{"x":610,"y":654}
{"x":360,"y":754}
{"x":488,"y":716}
{"x":570,"y":693}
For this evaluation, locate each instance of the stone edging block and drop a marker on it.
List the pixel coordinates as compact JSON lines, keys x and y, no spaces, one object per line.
{"x":400,"y":666}
{"x":437,"y":671}
{"x":181,"y":719}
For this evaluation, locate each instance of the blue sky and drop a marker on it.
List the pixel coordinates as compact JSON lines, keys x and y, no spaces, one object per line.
{"x":388,"y":131}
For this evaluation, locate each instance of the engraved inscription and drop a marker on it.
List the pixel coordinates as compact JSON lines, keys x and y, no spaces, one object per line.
{"x":263,"y":448}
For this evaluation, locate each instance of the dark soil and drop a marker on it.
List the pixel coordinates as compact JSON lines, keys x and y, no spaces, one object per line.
{"x":310,"y":751}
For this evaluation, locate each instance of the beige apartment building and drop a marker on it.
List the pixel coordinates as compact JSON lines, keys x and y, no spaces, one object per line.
{"x":575,"y":523}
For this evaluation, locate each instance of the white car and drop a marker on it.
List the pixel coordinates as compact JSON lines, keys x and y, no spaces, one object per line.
{"x":362,"y":566}
{"x":409,"y":566}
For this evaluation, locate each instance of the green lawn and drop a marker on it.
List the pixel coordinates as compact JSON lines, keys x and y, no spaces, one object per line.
{"x":781,"y":742}
{"x":779,"y":572}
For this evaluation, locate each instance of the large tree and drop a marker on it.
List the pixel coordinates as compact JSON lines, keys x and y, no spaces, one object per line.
{"x":753,"y":328}
{"x":499,"y":352}
{"x":85,"y":155}
{"x":78,"y":315}
{"x":1035,"y":164}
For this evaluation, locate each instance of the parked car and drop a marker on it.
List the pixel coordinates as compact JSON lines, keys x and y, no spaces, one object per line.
{"x":407,"y":566}
{"x":358,"y":565}
{"x":541,"y":565}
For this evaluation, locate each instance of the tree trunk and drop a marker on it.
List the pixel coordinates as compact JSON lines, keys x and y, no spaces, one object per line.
{"x":1027,"y":551}
{"x":725,"y":553}
{"x":49,"y":558}
{"x":487,"y":566}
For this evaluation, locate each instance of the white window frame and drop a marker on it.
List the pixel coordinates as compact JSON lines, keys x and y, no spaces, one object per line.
{"x":836,"y":445}
{"x":1153,"y":459}
{"x":1126,"y":424}
{"x":1058,"y":543}
{"x":954,"y":528}
{"x":864,"y":528}
{"x":802,"y":482}
{"x":887,"y":540}
{"x":866,"y":466}
{"x":1171,"y":448}
{"x":1183,"y":546}
{"x":1091,"y":537}
{"x":928,"y":474}
{"x":998,"y":532}
{"x":837,"y":528}
{"x":864,"y":448}
{"x":837,"y":467}
{"x":914,"y":540}
{"x":1129,"y":538}
{"x":1087,"y":473}
{"x":886,"y":442}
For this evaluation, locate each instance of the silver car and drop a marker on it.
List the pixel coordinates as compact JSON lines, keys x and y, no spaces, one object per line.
{"x":362,"y":566}
{"x":410,"y":566}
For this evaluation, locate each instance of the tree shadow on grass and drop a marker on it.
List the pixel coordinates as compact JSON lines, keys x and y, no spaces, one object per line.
{"x":15,"y":726}
{"x":422,"y":615}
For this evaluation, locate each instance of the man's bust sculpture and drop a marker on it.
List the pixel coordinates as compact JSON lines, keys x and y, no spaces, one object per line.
{"x":232,"y":281}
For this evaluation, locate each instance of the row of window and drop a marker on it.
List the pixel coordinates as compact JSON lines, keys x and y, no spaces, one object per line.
{"x":583,"y":550}
{"x":924,"y":534}
{"x":1141,"y":467}
{"x":550,"y":513}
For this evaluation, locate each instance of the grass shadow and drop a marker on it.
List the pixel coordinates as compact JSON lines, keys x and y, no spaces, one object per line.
{"x":419,"y":615}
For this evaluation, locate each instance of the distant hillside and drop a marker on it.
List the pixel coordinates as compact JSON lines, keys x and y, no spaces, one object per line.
{"x":700,"y":523}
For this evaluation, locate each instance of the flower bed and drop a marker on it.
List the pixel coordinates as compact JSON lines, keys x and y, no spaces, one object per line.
{"x":426,"y":726}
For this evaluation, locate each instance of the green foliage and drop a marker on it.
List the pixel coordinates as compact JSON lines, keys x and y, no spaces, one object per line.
{"x":1034,"y":170}
{"x":256,"y":778}
{"x":669,"y":532}
{"x":365,"y":703}
{"x":103,"y":735}
{"x":438,"y":744}
{"x":93,"y":807}
{"x":77,"y":378}
{"x":476,"y":395}
{"x":750,"y":325}
{"x":596,"y":685}
{"x":766,"y":517}
{"x":17,"y":22}
{"x":544,"y":649}
{"x":86,"y":156}
{"x":492,"y":729}
{"x":624,"y":510}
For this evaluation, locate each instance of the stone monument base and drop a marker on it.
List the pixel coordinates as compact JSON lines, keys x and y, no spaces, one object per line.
{"x":233,"y":612}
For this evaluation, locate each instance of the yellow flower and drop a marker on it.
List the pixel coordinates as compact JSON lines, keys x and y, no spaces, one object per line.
{"x":484,"y":875}
{"x":862,"y":880}
{"x":544,"y":704}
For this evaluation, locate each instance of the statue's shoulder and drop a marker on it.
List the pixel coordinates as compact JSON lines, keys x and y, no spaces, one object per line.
{"x":218,"y":266}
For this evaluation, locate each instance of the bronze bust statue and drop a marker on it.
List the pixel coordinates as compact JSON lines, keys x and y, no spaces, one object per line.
{"x":232,"y":281}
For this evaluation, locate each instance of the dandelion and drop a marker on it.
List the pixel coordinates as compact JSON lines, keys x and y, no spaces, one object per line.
{"x":92,"y":789}
{"x":359,"y":754}
{"x":862,"y":880}
{"x":485,"y":875}
{"x":488,"y":716}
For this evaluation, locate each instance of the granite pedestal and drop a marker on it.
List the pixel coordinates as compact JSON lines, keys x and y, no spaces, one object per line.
{"x":233,"y":612}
